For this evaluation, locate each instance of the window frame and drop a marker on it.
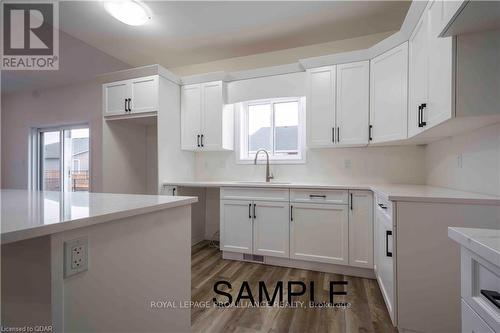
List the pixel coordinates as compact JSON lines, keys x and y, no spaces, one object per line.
{"x":244,"y":156}
{"x":36,"y":154}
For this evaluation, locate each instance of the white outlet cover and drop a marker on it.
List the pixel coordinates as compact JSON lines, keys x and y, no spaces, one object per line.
{"x":76,"y":257}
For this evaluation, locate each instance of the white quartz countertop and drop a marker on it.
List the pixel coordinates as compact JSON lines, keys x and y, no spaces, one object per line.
{"x":29,"y":214}
{"x":484,"y":242}
{"x":392,"y":192}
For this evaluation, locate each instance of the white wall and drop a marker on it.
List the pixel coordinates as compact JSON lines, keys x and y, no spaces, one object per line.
{"x":469,"y":162}
{"x":71,"y":104}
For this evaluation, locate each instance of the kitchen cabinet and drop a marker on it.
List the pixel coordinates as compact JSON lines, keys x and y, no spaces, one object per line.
{"x":337,"y":105}
{"x":389,"y":95}
{"x":361,"y":229}
{"x":352,"y":103}
{"x":319,"y":232}
{"x":271,"y":228}
{"x":430,"y":72}
{"x":206,"y":121}
{"x":236,"y":226}
{"x":136,"y":95}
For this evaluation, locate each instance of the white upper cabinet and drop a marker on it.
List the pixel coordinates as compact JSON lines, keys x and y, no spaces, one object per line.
{"x":337,"y":105}
{"x":206,"y":121}
{"x":131,"y":96}
{"x":389,"y":95}
{"x":430,"y":72}
{"x":320,"y":108}
{"x":352,"y":103}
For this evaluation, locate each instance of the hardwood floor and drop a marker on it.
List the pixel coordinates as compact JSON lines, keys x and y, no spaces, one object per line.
{"x":367,"y":312}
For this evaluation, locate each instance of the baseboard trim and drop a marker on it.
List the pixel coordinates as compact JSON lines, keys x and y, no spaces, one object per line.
{"x":309,"y":265}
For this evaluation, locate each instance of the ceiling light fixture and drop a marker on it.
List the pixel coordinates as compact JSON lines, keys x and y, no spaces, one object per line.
{"x":131,"y":12}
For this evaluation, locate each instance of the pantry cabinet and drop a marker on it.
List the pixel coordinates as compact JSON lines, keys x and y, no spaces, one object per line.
{"x":430,"y":72}
{"x":136,"y":95}
{"x":361,"y":229}
{"x":389,"y":95}
{"x":337,"y":105}
{"x":206,"y":120}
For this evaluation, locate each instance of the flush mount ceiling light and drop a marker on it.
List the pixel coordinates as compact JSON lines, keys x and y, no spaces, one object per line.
{"x":131,"y":12}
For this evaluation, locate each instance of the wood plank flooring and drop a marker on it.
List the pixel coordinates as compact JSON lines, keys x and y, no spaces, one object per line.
{"x":367,"y":312}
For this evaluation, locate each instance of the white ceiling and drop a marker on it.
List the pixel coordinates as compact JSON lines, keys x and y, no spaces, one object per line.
{"x":189,"y":32}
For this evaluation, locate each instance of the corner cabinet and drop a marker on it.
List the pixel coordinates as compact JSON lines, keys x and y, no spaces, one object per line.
{"x":206,"y":120}
{"x":337,"y":105}
{"x":137,"y":95}
{"x":389,"y":95}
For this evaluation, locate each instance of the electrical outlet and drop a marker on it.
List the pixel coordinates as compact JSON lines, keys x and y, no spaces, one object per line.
{"x":75,"y":256}
{"x":347,"y":163}
{"x":459,"y":161}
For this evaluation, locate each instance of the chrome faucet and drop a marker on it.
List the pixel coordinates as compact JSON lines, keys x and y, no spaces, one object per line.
{"x":268,"y":175}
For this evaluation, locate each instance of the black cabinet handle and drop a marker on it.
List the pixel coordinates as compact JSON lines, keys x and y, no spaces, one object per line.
{"x":387,"y":234}
{"x":173,"y":191}
{"x":249,"y":210}
{"x":382,"y":206}
{"x":254,"y":214}
{"x":370,"y":133}
{"x":202,"y":140}
{"x":422,"y":122}
{"x":492,"y":296}
{"x":351,"y":201}
{"x":125,"y":106}
{"x":333,"y":134}
{"x":291,"y":213}
{"x":338,"y":134}
{"x":198,"y":140}
{"x":317,"y":196}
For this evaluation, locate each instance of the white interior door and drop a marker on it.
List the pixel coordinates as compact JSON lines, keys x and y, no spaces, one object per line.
{"x":319,"y":232}
{"x":388,"y":95}
{"x":271,"y":229}
{"x":115,"y":96}
{"x":236,"y":227}
{"x":320,"y":102}
{"x":418,"y":78}
{"x":144,"y":94}
{"x":190,"y":116}
{"x":212,"y":115}
{"x":352,"y":111}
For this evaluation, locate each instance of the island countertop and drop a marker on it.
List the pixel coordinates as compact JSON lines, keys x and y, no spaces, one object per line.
{"x":28,"y":214}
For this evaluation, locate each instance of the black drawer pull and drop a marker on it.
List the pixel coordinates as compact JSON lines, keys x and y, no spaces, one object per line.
{"x":492,"y":296}
{"x":382,"y":206}
{"x":387,"y":234}
{"x":317,"y":196}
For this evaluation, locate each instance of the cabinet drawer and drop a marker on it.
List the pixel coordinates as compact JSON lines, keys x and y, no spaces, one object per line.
{"x":471,"y":322}
{"x":479,"y":280}
{"x":259,"y":194}
{"x":319,"y":196}
{"x":384,"y":204}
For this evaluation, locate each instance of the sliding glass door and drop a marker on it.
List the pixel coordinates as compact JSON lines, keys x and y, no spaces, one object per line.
{"x":64,"y":159}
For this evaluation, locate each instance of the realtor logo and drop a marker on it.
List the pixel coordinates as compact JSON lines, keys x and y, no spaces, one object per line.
{"x":30,"y":36}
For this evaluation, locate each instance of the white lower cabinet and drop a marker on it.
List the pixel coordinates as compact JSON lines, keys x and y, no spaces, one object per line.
{"x":471,"y":322}
{"x":319,"y":232}
{"x":271,"y":228}
{"x":361,"y":229}
{"x":236,"y":225}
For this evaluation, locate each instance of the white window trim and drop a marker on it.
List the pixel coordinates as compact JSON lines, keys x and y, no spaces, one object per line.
{"x":241,"y":135}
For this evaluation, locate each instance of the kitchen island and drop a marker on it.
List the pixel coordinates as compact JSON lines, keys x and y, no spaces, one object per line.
{"x":94,"y":262}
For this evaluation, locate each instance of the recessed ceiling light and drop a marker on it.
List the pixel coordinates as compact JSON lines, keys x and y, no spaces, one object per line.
{"x":131,"y":12}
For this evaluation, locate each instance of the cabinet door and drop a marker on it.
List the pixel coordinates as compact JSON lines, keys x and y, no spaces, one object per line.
{"x":352,"y":103}
{"x":319,"y":233}
{"x":418,"y":81}
{"x":115,"y":96}
{"x":472,"y":322}
{"x":212,"y":108}
{"x":440,"y":69}
{"x":388,"y":95}
{"x":320,"y":106}
{"x":236,"y":226}
{"x":271,"y":229}
{"x":361,"y":229}
{"x":144,"y":94}
{"x":190,"y":116}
